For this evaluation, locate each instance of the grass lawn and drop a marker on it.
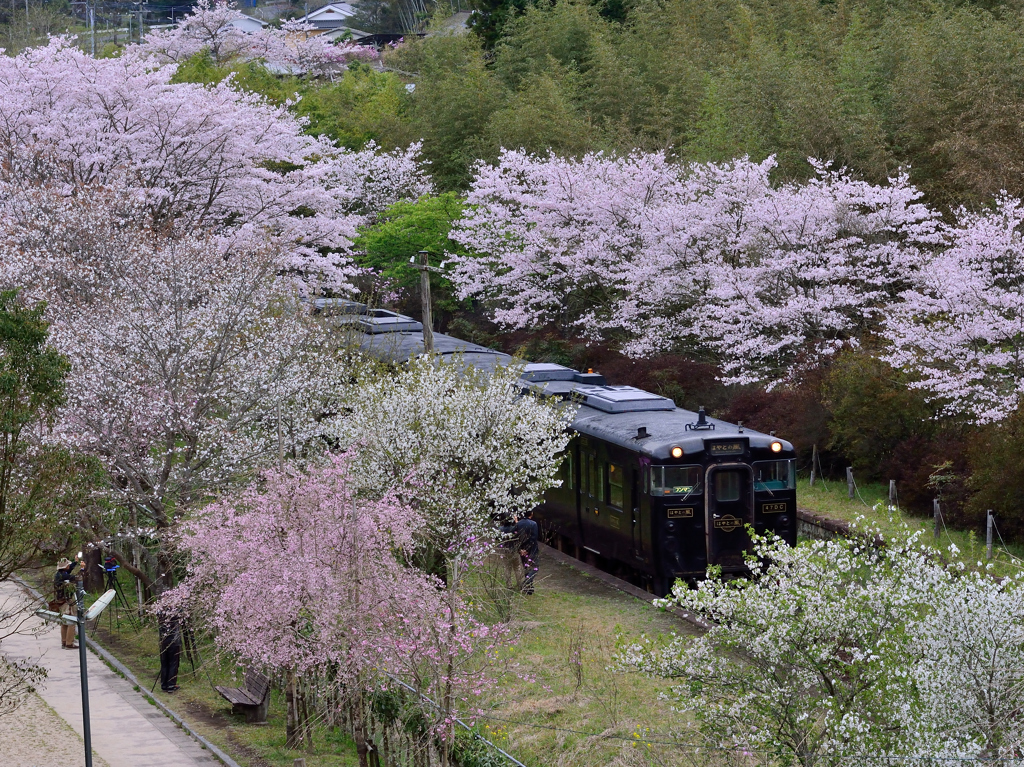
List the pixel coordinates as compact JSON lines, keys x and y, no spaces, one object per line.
{"x":561,"y":706}
{"x":831,"y":500}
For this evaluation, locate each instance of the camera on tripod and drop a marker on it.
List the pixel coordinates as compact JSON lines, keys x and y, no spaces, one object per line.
{"x":110,"y":567}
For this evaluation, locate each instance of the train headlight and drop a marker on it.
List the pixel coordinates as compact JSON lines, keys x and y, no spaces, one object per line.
{"x":677,"y":452}
{"x":776,"y":447}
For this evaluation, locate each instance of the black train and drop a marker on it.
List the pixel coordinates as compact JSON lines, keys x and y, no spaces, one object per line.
{"x":649,"y":490}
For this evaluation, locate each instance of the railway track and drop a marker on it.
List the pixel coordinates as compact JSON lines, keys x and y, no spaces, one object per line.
{"x":811,"y":524}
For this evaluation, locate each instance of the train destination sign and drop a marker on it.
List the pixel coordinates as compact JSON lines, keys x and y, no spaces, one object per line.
{"x":680,"y":513}
{"x":728,"y":523}
{"x":734,"y":447}
{"x":773,"y":508}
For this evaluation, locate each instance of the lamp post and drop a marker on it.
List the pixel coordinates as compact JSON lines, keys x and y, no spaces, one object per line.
{"x":99,"y":606}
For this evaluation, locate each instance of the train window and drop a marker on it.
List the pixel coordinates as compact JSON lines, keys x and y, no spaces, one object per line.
{"x":596,"y":478}
{"x":774,"y":475}
{"x":616,"y":490}
{"x":570,"y":474}
{"x":727,"y":486}
{"x":675,"y":480}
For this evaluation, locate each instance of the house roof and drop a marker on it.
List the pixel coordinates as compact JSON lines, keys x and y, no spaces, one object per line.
{"x":330,"y":12}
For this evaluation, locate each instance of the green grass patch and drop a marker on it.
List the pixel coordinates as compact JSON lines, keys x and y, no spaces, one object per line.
{"x":560,"y":704}
{"x":871,"y":505}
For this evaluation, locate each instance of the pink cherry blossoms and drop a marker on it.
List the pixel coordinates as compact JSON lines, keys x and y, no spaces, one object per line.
{"x":961,"y":325}
{"x":200,"y":157}
{"x":301,"y":573}
{"x":766,"y":279}
{"x":215,"y":27}
{"x":711,"y":258}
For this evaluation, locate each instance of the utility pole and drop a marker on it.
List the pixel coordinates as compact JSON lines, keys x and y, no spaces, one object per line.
{"x":425,"y":269}
{"x":92,"y":26}
{"x":140,"y":23}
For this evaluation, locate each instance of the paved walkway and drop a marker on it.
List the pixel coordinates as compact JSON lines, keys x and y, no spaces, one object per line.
{"x":126,"y":730}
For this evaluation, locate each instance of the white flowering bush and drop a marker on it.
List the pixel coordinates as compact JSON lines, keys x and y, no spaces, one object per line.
{"x":461,"y":445}
{"x":847,"y":651}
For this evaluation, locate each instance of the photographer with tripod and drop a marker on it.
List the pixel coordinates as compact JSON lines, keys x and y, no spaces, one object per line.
{"x":64,"y":599}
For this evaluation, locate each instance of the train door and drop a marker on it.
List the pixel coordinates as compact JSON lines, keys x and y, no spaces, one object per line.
{"x":636,"y":483}
{"x":729,"y":509}
{"x":591,"y":486}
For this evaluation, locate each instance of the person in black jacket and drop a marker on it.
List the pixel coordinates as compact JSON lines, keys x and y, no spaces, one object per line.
{"x":528,"y":536}
{"x":170,"y":652}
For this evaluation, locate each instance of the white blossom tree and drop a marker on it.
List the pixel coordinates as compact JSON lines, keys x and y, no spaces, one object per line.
{"x":192,"y":364}
{"x":460,"y":445}
{"x":849,"y":651}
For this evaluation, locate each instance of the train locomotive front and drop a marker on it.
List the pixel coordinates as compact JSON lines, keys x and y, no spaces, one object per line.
{"x":655,"y":492}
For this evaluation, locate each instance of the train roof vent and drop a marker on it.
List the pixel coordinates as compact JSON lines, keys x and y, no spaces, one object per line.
{"x":623,"y":399}
{"x":383,"y":321}
{"x":547,"y":371}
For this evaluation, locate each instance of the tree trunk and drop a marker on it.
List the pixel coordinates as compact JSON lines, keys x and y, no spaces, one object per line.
{"x":359,"y":730}
{"x":306,"y":725}
{"x":293,"y":736}
{"x":92,"y":575}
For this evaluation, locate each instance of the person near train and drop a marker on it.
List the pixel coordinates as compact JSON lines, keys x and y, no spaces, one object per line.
{"x":65,"y":599}
{"x":169,"y":628}
{"x":528,"y":536}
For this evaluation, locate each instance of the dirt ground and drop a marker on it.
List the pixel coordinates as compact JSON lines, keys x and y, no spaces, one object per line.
{"x":34,"y":736}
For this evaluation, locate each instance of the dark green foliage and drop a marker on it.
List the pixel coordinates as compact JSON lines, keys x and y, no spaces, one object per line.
{"x":997,"y":476}
{"x":37,"y":483}
{"x":873,"y":411}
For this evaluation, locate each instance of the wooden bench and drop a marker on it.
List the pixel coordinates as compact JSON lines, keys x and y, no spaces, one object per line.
{"x":252,"y":699}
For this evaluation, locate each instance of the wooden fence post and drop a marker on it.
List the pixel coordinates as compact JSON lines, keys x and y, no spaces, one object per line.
{"x":937,"y":515}
{"x":989,"y":524}
{"x":892,"y":492}
{"x":814,"y":462}
{"x":849,"y":481}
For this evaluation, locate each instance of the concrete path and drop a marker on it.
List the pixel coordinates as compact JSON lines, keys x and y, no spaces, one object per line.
{"x":126,"y":730}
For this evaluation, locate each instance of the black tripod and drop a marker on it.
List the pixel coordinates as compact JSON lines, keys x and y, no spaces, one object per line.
{"x":111,"y":568}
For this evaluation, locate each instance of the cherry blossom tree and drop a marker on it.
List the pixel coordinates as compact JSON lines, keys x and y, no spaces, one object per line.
{"x":215,"y":27}
{"x":846,"y":651}
{"x":960,"y":327}
{"x":336,"y":597}
{"x":460,"y":445}
{"x":200,"y":157}
{"x":192,"y":364}
{"x":210,"y":26}
{"x":708,"y":258}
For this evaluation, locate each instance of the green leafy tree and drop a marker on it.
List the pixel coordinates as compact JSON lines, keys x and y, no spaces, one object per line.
{"x":35,"y":481}
{"x":455,"y":96}
{"x":399,"y":234}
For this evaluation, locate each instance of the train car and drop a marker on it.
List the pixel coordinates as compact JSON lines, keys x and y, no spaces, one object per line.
{"x":658,"y":492}
{"x":650,"y":491}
